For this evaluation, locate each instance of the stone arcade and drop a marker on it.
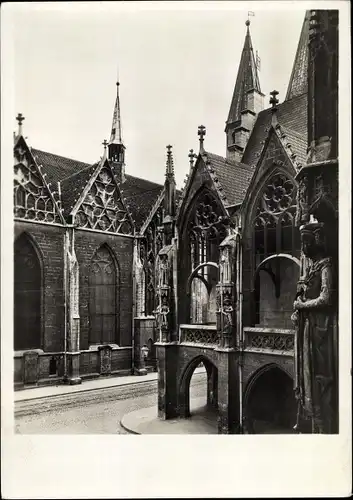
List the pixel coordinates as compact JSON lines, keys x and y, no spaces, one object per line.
{"x":109,"y":267}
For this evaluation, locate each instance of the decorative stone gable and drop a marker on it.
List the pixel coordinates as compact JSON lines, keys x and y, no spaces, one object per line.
{"x":32,"y":197}
{"x":103,"y":207}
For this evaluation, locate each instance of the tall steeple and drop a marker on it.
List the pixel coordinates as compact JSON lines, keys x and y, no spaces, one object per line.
{"x":247,"y":101}
{"x":116,"y":148}
{"x":169,"y":198}
{"x":298,"y":83}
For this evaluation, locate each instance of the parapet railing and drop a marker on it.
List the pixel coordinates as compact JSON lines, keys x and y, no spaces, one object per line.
{"x":274,"y":340}
{"x":205,"y":335}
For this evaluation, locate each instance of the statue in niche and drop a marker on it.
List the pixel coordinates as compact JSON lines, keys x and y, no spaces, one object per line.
{"x":316,"y":353}
{"x":163,"y":271}
{"x":227,"y":313}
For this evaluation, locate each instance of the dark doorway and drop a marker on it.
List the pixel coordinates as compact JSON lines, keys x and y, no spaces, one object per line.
{"x":27,"y":295}
{"x":270,"y":404}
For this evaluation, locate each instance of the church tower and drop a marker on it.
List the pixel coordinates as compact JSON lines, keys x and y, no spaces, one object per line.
{"x":116,"y":148}
{"x":247,"y":102}
{"x":298,"y":83}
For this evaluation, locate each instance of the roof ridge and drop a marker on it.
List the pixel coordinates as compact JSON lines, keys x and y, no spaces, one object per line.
{"x":61,"y":156}
{"x":245,"y":166}
{"x":79,"y":171}
{"x":143,"y":179}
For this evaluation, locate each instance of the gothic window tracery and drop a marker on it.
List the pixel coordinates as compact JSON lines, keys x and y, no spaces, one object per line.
{"x":103,"y":208}
{"x":103,"y":297}
{"x":150,"y":246}
{"x":274,"y":228}
{"x":206,"y":229}
{"x":32,"y":199}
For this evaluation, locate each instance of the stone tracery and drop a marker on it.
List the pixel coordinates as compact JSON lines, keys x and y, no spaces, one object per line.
{"x":103,"y":208}
{"x":32,"y":199}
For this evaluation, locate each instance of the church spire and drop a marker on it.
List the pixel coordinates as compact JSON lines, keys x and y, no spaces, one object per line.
{"x":298,"y":83}
{"x":169,"y":198}
{"x":246,"y":102}
{"x":116,"y":147}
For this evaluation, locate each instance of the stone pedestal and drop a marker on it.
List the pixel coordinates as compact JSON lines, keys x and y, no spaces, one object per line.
{"x":105,"y":358}
{"x":167,"y":381}
{"x":30,"y":367}
{"x":228,"y":392}
{"x":73,"y":368}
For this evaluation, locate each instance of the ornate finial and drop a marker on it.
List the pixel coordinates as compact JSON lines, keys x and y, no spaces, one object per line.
{"x":105,"y":144}
{"x":192,"y":156}
{"x":247,"y":22}
{"x":274,"y":101}
{"x":201,"y":132}
{"x":20,"y":119}
{"x":170,"y":164}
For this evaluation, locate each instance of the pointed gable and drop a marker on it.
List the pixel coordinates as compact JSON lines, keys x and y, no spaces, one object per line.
{"x":273,"y":157}
{"x":247,"y":80}
{"x":202,"y":175}
{"x":33,"y":198}
{"x":101,"y":206}
{"x":298,"y":83}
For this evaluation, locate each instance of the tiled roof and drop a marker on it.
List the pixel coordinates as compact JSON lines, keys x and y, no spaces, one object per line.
{"x":140,"y":196}
{"x":233,"y":176}
{"x":73,"y":175}
{"x":73,"y":186}
{"x":57,"y":167}
{"x":292,"y":117}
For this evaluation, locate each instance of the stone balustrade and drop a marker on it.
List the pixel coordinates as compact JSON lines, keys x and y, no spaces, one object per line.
{"x":269,"y":340}
{"x":205,"y":335}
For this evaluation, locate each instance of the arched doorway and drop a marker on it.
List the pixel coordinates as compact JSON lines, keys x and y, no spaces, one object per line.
{"x":270,"y":406}
{"x":103,"y":288}
{"x":27,"y":295}
{"x":198,"y":392}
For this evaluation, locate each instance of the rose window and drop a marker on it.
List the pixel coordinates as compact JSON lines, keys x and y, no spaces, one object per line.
{"x":278,"y":195}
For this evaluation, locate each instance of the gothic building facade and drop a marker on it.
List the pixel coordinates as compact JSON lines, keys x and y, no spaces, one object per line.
{"x":106,"y":263}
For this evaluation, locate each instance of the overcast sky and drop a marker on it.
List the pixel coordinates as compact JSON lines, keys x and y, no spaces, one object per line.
{"x":177,"y":68}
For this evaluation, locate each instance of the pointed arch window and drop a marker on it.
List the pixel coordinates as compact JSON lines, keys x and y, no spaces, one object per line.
{"x":274,"y":225}
{"x":274,"y":235}
{"x":104,"y":297}
{"x":27,"y":295}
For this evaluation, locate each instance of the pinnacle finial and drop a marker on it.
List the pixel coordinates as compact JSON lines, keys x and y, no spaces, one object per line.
{"x":170,"y":163}
{"x":192,"y":156}
{"x":247,"y":22}
{"x":20,"y":119}
{"x":274,"y":101}
{"x":105,"y":144}
{"x":201,"y":132}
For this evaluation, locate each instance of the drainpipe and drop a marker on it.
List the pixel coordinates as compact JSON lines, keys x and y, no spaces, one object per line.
{"x":66,"y":240}
{"x":134,"y":257}
{"x":240,"y":327}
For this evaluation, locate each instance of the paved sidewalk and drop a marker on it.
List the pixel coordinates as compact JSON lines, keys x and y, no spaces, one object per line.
{"x":146,"y":421}
{"x":88,"y":385}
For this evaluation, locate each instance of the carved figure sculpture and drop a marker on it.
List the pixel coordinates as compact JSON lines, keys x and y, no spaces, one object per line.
{"x":316,"y":342}
{"x":163,"y":271}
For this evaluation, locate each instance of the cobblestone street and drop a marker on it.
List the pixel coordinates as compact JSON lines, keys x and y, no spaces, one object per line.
{"x":91,"y":412}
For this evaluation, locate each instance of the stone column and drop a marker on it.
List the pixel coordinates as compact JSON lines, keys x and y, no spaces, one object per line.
{"x":167,"y":381}
{"x":228,"y":392}
{"x":73,"y":323}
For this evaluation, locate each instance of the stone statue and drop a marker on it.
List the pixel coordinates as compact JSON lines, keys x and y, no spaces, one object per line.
{"x":163,"y":271}
{"x":316,"y":342}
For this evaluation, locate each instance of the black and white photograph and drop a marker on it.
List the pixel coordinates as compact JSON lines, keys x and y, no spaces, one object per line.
{"x":175,"y":241}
